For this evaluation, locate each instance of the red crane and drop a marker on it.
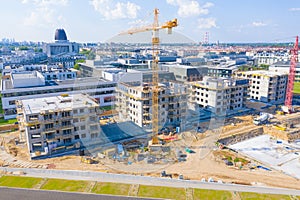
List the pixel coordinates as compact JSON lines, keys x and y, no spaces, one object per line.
{"x":291,"y":78}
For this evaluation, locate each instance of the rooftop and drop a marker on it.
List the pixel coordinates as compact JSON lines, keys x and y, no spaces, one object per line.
{"x":7,"y":85}
{"x":264,"y":73}
{"x":32,"y":106}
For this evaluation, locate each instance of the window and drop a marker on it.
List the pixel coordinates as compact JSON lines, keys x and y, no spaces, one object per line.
{"x":75,"y":111}
{"x":81,"y":110}
{"x":12,"y":102}
{"x":75,"y":120}
{"x":76,"y":137}
{"x":83,"y":135}
{"x":94,"y":127}
{"x":82,"y":127}
{"x":94,"y":135}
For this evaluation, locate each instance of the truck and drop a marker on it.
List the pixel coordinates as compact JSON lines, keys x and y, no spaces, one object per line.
{"x":262,"y":119}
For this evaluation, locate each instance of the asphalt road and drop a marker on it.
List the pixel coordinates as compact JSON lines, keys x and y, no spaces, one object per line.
{"x":146,"y":180}
{"x":24,"y":194}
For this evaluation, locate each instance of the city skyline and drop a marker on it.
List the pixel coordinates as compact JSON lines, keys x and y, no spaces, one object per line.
{"x":100,"y":20}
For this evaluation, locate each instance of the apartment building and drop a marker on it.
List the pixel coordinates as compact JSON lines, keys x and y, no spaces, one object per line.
{"x":57,"y":123}
{"x":266,"y":86}
{"x":221,"y":96}
{"x":134,"y":103}
{"x":30,"y":85}
{"x":284,"y":68}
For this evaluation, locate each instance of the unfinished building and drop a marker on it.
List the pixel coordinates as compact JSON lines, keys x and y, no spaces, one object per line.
{"x":57,"y":123}
{"x":134,"y":103}
{"x":221,"y":96}
{"x":266,"y":86}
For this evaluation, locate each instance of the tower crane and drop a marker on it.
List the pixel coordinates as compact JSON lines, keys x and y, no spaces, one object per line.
{"x":291,"y":77}
{"x":155,"y":27}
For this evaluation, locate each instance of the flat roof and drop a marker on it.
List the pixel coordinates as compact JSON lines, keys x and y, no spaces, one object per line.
{"x":7,"y":85}
{"x":33,"y":106}
{"x":23,"y":75}
{"x":266,"y":73}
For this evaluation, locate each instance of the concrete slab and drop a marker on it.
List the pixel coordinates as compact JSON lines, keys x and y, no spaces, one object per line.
{"x":276,"y":154}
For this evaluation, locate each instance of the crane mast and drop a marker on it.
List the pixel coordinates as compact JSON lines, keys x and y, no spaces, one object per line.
{"x":291,"y":77}
{"x":155,"y":79}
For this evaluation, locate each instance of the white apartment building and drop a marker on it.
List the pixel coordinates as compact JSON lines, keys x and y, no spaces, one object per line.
{"x":266,"y":86}
{"x":284,"y":68}
{"x":270,"y":57}
{"x":134,"y":103}
{"x":221,"y":96}
{"x":31,"y":85}
{"x":57,"y":123}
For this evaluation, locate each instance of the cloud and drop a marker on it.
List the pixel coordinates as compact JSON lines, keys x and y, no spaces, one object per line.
{"x":189,"y":8}
{"x":294,"y":9}
{"x":207,"y":23}
{"x":115,"y":10}
{"x":258,"y":24}
{"x":46,"y":3}
{"x":44,"y":12}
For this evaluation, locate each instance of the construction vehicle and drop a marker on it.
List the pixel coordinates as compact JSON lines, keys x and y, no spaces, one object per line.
{"x":279,"y":127}
{"x":262,"y":119}
{"x":87,"y":160}
{"x":164,"y":174}
{"x":155,"y":27}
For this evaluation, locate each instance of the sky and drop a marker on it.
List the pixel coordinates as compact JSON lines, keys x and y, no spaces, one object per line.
{"x":99,"y":20}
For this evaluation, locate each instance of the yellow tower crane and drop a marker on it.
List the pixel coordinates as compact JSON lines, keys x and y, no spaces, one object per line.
{"x":155,"y":27}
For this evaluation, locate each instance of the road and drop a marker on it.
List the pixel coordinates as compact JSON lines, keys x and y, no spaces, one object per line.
{"x":146,"y":180}
{"x":25,"y":194}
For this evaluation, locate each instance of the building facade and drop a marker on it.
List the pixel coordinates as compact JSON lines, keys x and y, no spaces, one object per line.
{"x":221,"y":96}
{"x":57,"y":123}
{"x":134,"y":103}
{"x":266,"y":86}
{"x":102,"y":90}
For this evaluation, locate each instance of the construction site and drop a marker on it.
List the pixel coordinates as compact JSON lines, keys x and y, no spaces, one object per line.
{"x":219,"y":149}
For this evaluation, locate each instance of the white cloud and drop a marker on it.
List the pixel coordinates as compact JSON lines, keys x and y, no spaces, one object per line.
{"x":44,"y":12}
{"x":189,"y":8}
{"x":258,"y":24}
{"x":207,"y":23}
{"x":115,"y":10}
{"x":294,"y":9}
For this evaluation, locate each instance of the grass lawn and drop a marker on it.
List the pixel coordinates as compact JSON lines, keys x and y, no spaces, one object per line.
{"x":111,"y":188}
{"x":161,"y":192}
{"x":20,"y":182}
{"x":9,"y":121}
{"x":254,"y":196}
{"x":296,"y":87}
{"x":211,"y":194}
{"x":65,"y":185}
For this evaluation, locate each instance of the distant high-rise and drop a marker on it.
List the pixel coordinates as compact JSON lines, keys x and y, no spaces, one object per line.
{"x":61,"y":45}
{"x":60,"y":35}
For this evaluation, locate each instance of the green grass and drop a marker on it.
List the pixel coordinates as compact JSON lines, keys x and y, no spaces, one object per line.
{"x":161,"y":192}
{"x":65,"y":185}
{"x":255,"y":196}
{"x":296,"y":87}
{"x":106,"y":107}
{"x":9,"y":121}
{"x":20,"y":182}
{"x":211,"y":194}
{"x":111,"y":188}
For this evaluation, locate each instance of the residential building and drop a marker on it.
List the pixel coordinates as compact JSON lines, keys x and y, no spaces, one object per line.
{"x":30,"y":85}
{"x":57,"y":122}
{"x":221,"y":96}
{"x":266,"y":86}
{"x":284,"y":68}
{"x":186,"y":73}
{"x":134,"y":103}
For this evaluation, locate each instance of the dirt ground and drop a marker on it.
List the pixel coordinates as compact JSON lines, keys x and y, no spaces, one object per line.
{"x":195,"y":167}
